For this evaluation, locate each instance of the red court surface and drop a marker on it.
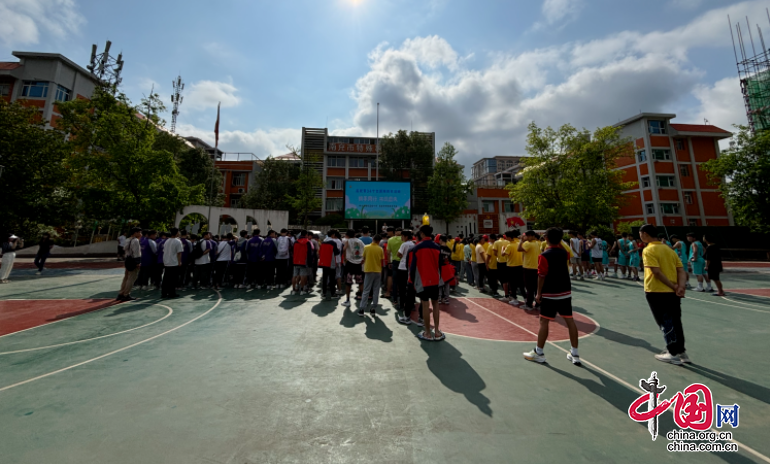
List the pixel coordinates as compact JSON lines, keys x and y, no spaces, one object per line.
{"x":490,"y":319}
{"x":751,"y":291}
{"x":16,"y":315}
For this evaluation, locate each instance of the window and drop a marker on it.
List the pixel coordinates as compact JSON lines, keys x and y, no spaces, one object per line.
{"x":333,"y":183}
{"x":334,"y":204}
{"x":669,"y":208}
{"x":488,"y":206}
{"x":661,"y":154}
{"x":508,"y":207}
{"x":35,"y":89}
{"x":357,"y":162}
{"x":684,"y":170}
{"x":641,"y":156}
{"x":5,"y":90}
{"x":239,"y":179}
{"x":657,"y":127}
{"x":692,"y":222}
{"x":650,"y":208}
{"x":688,"y":197}
{"x":335,"y":161}
{"x":646,"y":182}
{"x":62,"y":94}
{"x":680,"y":144}
{"x":235,"y":202}
{"x":665,"y":181}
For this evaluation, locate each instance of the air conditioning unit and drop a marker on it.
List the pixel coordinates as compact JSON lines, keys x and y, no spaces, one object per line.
{"x":241,"y":190}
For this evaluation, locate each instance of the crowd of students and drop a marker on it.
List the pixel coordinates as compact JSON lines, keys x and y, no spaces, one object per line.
{"x":420,"y":270}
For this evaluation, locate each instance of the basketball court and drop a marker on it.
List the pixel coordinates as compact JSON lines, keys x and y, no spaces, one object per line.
{"x":260,"y":377}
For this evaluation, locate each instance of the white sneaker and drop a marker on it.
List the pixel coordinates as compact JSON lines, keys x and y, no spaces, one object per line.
{"x":684,"y":358}
{"x":346,"y":303}
{"x":574,"y":358}
{"x":404,"y":320}
{"x":38,"y":272}
{"x":533,"y":356}
{"x":293,"y":292}
{"x":709,"y":289}
{"x":669,"y":358}
{"x":303,"y":293}
{"x":699,"y":289}
{"x":514,"y":302}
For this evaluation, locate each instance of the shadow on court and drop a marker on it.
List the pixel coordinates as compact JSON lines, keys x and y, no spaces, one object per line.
{"x":758,"y":392}
{"x":447,"y":364}
{"x":620,"y":397}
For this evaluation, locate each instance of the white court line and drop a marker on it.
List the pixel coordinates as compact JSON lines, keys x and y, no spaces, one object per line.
{"x":749,"y":304}
{"x":116,"y":351}
{"x":612,"y":376}
{"x":170,"y":311}
{"x":716,"y":302}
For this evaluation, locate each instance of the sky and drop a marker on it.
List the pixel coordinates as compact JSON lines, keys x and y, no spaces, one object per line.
{"x":474,"y":72}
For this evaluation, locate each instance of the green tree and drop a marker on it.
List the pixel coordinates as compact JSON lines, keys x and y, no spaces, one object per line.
{"x":570,"y":179}
{"x":35,"y":185}
{"x":275,"y":183}
{"x":411,"y":153}
{"x":309,"y":181}
{"x":627,"y":226}
{"x":746,"y":166}
{"x":195,"y":165}
{"x":447,"y":187}
{"x":119,"y":171}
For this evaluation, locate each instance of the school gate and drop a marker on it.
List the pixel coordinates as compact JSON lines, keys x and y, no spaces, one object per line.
{"x":264,"y":219}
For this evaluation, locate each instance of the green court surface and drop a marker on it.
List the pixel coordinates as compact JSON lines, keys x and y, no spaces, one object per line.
{"x":264,"y":377}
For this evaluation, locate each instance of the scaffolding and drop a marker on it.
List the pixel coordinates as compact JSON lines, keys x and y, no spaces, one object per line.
{"x":754,"y":75}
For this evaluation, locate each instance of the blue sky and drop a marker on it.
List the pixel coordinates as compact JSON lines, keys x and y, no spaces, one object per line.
{"x":474,"y":72}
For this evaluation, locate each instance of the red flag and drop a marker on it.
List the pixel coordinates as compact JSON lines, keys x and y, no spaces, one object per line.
{"x":216,"y":128}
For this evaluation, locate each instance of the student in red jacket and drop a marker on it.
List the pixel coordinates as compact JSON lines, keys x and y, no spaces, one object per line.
{"x":303,"y":256}
{"x":425,"y":275}
{"x":327,"y":260}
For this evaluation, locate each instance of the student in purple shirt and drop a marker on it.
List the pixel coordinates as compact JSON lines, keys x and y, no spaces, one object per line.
{"x":253,"y":258}
{"x":157,"y":275}
{"x":268,"y":252}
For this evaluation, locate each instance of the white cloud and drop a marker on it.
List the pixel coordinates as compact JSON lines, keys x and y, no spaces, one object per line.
{"x":721,"y":104}
{"x":21,"y":21}
{"x":260,"y":142}
{"x":206,"y":94}
{"x":558,"y":10}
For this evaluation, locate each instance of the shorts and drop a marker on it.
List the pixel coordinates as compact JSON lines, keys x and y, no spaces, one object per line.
{"x":574,"y":260}
{"x":596,"y":259}
{"x":393,"y":267}
{"x":429,"y":293}
{"x":622,"y":259}
{"x":338,"y":271}
{"x":354,"y":272}
{"x":301,"y":271}
{"x":714,"y":273}
{"x":606,"y":260}
{"x":585,"y":257}
{"x":550,"y":308}
{"x":699,"y":267}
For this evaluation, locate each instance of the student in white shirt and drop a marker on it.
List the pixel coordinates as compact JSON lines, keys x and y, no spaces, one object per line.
{"x":172,"y":261}
{"x":224,"y":256}
{"x":202,"y":263}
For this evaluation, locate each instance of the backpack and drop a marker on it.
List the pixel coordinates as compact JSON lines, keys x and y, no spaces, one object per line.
{"x":197,"y":251}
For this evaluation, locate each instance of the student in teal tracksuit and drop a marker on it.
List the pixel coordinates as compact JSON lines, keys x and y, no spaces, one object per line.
{"x":698,"y":263}
{"x":680,"y":246}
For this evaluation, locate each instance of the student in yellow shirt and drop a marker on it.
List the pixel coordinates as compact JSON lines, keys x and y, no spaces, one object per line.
{"x":458,"y":254}
{"x":664,"y":287}
{"x":492,"y":274}
{"x":514,"y":279}
{"x":481,"y":262}
{"x":499,"y":247}
{"x":530,"y":250}
{"x":373,"y":257}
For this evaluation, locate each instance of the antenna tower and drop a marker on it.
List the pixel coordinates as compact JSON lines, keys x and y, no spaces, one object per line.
{"x":105,"y":67}
{"x":176,"y":100}
{"x":754,"y":74}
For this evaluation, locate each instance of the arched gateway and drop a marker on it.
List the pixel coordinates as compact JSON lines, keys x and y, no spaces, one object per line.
{"x":277,"y":219}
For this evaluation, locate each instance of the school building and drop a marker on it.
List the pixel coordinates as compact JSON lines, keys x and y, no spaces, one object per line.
{"x":338,"y":159}
{"x":672,"y":188}
{"x":41,"y":80}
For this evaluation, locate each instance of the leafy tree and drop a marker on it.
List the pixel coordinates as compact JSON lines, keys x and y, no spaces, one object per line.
{"x":275,"y":183}
{"x":306,"y":200}
{"x":195,"y":165}
{"x":569,"y":179}
{"x":412,"y":153}
{"x":120,"y":173}
{"x":447,"y":187}
{"x":35,"y":185}
{"x":627,"y":226}
{"x":746,"y":165}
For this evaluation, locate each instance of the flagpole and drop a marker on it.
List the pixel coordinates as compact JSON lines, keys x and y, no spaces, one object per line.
{"x":214,"y":165}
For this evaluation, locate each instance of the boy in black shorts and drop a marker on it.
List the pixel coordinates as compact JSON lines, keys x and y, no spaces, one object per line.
{"x":554,"y":293}
{"x":713,"y":257}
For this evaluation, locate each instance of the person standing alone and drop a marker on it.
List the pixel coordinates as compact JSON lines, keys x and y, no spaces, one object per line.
{"x":44,"y":251}
{"x":133,"y":261}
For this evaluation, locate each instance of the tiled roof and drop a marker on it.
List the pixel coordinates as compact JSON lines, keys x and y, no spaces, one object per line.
{"x":698,"y":128}
{"x":9,"y":65}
